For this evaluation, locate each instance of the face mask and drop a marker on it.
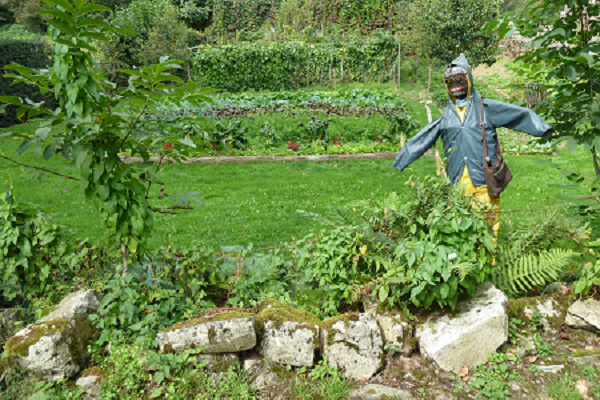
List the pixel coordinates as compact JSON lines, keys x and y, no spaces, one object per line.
{"x":457,"y":82}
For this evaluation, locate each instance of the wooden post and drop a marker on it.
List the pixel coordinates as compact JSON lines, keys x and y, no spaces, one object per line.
{"x":438,"y":160}
{"x":429,"y":82}
{"x":399,"y":66}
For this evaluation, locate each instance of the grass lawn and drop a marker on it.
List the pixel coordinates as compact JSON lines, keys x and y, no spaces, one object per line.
{"x":259,"y":200}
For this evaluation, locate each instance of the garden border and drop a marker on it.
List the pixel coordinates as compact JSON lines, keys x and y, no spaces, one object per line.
{"x":247,"y":159}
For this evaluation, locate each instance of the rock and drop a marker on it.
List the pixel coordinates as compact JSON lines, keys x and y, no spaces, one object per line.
{"x":288,"y":336}
{"x":56,"y":346}
{"x":380,"y":392}
{"x":586,"y":360}
{"x":526,"y":347}
{"x":217,"y":363}
{"x":251,"y":362}
{"x":90,"y":384}
{"x":264,"y":380}
{"x":551,"y":368}
{"x":584,"y":314}
{"x":227,"y":332}
{"x":553,"y":309}
{"x":397,"y":331}
{"x":353,"y":343}
{"x":454,"y":342}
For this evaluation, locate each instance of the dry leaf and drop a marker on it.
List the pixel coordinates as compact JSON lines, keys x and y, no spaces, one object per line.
{"x":363,"y":379}
{"x":597,"y":340}
{"x":437,"y":371}
{"x":582,"y":388}
{"x":564,"y":291}
{"x":589,"y":347}
{"x":464,"y":373}
{"x":533,"y":359}
{"x":565,"y":336}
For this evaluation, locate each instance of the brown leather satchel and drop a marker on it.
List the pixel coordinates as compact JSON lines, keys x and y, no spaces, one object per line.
{"x":497,"y":176}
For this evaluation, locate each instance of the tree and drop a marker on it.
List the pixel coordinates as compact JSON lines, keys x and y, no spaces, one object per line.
{"x":93,"y":125}
{"x":562,"y":48}
{"x":439,"y":30}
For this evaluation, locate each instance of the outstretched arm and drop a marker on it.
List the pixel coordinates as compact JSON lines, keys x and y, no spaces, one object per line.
{"x":418,"y":145}
{"x":514,"y":117}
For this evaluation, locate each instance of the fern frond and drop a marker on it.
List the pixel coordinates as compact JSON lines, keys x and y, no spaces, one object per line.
{"x":463,"y":269}
{"x":530,"y":270}
{"x":319,"y":218}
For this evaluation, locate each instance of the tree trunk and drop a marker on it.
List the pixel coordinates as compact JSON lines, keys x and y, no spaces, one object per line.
{"x":596,"y":163}
{"x":124,"y":255}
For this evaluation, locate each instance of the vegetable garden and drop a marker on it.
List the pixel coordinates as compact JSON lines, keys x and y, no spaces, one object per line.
{"x":98,"y":194}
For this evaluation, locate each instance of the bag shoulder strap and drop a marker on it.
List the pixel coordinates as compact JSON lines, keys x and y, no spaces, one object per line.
{"x":483,"y":135}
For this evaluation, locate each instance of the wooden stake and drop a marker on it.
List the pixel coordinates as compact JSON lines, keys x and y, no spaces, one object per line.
{"x":399,"y":67}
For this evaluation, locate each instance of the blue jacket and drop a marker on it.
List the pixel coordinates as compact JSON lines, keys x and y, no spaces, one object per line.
{"x":462,"y":140}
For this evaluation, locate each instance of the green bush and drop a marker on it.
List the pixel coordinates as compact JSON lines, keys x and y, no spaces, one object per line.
{"x":433,"y":247}
{"x":293,"y":64}
{"x":29,"y":53}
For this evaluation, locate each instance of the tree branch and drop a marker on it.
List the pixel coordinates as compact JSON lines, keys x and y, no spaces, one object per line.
{"x":40,"y":168}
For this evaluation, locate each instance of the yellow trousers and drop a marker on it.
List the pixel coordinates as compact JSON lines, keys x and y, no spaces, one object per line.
{"x":480,"y":194}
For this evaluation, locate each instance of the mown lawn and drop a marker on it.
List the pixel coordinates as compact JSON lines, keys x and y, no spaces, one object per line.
{"x":258,"y":201}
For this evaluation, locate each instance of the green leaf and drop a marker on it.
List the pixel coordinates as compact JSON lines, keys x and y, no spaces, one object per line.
{"x":158,"y":391}
{"x":93,"y":8}
{"x":571,"y":143}
{"x":49,"y":151}
{"x":24,"y":146}
{"x":62,"y":27}
{"x":570,"y":72}
{"x":187,"y":142}
{"x":383,"y":293}
{"x":11,"y":100}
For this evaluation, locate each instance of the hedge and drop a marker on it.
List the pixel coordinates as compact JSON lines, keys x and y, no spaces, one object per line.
{"x":288,"y":65}
{"x":32,"y":54}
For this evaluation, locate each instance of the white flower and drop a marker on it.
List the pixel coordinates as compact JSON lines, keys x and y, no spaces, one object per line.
{"x":451,"y":256}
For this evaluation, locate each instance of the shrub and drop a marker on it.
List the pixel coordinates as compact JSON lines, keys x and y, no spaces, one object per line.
{"x":32,"y":54}
{"x":433,"y":247}
{"x":34,"y":251}
{"x":161,"y":33}
{"x":292,"y":64}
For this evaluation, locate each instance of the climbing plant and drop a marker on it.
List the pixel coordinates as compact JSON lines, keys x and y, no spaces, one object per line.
{"x":93,"y":124}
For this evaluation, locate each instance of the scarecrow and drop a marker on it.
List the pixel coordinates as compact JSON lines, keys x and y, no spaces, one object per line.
{"x":478,"y":169}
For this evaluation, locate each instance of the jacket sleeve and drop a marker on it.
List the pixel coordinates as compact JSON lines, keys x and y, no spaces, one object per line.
{"x":418,"y":145}
{"x":520,"y":119}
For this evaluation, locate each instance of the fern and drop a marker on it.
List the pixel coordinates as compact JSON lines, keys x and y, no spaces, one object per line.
{"x":531,"y":270}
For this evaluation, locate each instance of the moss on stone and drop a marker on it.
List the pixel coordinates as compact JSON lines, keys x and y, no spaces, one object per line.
{"x":328,"y":324}
{"x":225,"y":316}
{"x":561,"y":303}
{"x":279,"y":315}
{"x":583,"y":353}
{"x":95,"y":371}
{"x":272,"y":303}
{"x":18,"y":346}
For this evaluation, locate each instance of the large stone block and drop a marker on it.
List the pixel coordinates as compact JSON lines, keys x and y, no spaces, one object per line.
{"x":479,"y":328}
{"x":353,"y":343}
{"x":584,"y":314}
{"x":55,"y":347}
{"x":396,"y":330}
{"x":288,"y":336}
{"x":227,"y":332}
